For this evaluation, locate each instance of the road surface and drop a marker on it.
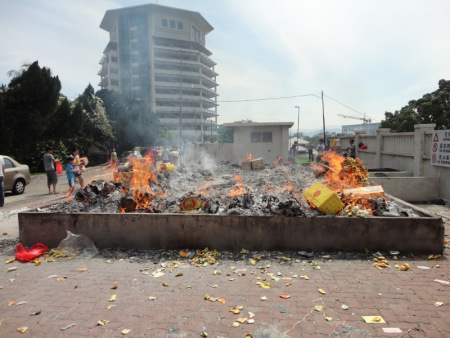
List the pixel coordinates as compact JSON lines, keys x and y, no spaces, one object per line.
{"x":36,"y":193}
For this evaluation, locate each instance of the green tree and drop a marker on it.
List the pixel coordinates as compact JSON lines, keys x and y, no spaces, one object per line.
{"x":225,"y":134}
{"x":28,"y":109}
{"x":431,"y":108}
{"x":90,"y":117}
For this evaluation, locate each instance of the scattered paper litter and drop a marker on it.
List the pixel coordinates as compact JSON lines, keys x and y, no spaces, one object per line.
{"x":68,"y":326}
{"x":373,"y":319}
{"x":423,"y":267}
{"x":391,"y":330}
{"x":443,"y":282}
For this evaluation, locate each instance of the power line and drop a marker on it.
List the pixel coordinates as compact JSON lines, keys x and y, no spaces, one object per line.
{"x":269,"y":98}
{"x":350,"y":108}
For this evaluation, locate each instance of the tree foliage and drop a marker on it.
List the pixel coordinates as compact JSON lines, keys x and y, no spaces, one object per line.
{"x":225,"y":134}
{"x":28,"y":110}
{"x":93,"y":123}
{"x":431,"y":108}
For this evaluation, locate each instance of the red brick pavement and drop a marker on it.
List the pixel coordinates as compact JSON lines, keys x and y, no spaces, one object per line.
{"x":405,"y":299}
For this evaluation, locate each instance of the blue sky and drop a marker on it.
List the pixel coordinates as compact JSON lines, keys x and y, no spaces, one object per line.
{"x":371,"y":56}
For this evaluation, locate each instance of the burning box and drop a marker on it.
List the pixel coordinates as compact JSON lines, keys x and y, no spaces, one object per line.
{"x":123,"y":177}
{"x":324,"y":199}
{"x":366,"y":192}
{"x":246,"y":165}
{"x":255,"y":164}
{"x":143,"y":164}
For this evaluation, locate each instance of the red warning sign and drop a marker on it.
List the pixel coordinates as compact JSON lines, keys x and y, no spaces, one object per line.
{"x":440,"y":148}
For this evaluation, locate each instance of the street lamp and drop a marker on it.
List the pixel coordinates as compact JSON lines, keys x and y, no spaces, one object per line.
{"x":298,"y":121}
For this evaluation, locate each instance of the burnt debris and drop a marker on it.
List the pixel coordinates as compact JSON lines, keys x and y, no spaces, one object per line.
{"x":223,"y":190}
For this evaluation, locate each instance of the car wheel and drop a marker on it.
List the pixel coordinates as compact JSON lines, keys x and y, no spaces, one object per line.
{"x":19,"y":187}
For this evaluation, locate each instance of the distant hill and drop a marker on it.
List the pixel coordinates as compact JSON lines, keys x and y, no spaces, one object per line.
{"x":312,"y":132}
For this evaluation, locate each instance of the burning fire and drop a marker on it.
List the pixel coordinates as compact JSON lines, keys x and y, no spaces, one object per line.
{"x":342,"y":173}
{"x":238,"y":189}
{"x":142,"y":177}
{"x":204,"y":190}
{"x":277,"y":162}
{"x":249,"y":157}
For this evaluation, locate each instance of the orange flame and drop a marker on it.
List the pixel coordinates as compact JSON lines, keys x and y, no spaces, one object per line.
{"x":288,"y":187}
{"x":334,"y":178}
{"x":249,"y":157}
{"x":143,"y":175}
{"x":204,"y":190}
{"x":239,"y":188}
{"x":277,"y":162}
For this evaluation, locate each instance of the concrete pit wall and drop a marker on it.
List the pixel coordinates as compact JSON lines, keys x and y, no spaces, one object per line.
{"x":175,"y":231}
{"x":410,"y":189}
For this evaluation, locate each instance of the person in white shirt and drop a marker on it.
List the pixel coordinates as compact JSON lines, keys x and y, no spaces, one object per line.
{"x":2,"y":171}
{"x":320,"y":151}
{"x":165,"y":155}
{"x":49,"y":166}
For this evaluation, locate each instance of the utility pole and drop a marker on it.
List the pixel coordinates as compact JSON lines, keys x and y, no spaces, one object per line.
{"x":323,"y":117}
{"x":181,"y":102}
{"x":298,"y":121}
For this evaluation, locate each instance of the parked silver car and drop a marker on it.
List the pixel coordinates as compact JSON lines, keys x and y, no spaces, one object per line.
{"x":16,"y":175}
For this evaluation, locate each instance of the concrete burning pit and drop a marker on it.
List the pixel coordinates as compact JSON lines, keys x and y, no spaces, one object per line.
{"x":227,"y":208}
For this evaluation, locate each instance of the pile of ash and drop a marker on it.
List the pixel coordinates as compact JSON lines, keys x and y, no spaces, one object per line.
{"x":222,"y":190}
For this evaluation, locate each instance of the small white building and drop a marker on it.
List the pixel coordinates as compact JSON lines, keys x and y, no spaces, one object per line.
{"x":267,"y":140}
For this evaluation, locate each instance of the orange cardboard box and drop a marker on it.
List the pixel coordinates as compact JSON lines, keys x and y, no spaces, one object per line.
{"x":324,"y":199}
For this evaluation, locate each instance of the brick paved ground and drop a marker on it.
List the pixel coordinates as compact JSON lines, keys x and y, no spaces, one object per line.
{"x":404,"y":299}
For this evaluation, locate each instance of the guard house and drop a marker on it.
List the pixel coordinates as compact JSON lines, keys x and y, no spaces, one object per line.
{"x":267,"y":140}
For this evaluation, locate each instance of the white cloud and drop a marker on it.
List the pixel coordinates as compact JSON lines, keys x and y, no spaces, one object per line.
{"x":372,"y":56}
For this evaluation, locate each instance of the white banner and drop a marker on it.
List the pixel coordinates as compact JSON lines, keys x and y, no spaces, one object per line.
{"x":440,"y":148}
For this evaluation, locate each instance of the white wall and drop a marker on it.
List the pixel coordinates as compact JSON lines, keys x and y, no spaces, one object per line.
{"x":241,"y":148}
{"x":404,"y":152}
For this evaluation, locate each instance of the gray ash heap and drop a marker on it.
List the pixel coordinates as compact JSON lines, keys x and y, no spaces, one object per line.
{"x":222,"y":190}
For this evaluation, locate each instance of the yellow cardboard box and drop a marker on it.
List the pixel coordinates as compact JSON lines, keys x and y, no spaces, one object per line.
{"x":324,"y":199}
{"x":123,"y":177}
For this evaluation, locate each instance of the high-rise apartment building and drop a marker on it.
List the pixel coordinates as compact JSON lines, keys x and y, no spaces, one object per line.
{"x":157,"y":54}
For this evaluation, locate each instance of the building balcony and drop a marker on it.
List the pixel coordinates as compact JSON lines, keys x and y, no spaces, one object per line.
{"x":103,"y":71}
{"x":206,"y":92}
{"x":160,"y":110}
{"x":209,"y":103}
{"x":103,"y":82}
{"x":190,"y":121}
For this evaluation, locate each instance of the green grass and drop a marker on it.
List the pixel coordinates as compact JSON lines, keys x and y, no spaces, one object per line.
{"x":301,"y":160}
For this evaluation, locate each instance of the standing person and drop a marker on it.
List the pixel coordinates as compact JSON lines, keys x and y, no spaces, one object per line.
{"x":310,"y":148}
{"x":2,"y":173}
{"x":49,"y":166}
{"x":352,"y":149}
{"x":320,"y":151}
{"x":78,"y":166}
{"x":165,"y":155}
{"x":70,"y":173}
{"x":328,"y":146}
{"x":113,"y":157}
{"x":173,"y":155}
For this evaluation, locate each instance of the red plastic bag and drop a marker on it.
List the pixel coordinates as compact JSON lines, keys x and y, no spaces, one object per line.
{"x":23,"y":254}
{"x":59,"y":168}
